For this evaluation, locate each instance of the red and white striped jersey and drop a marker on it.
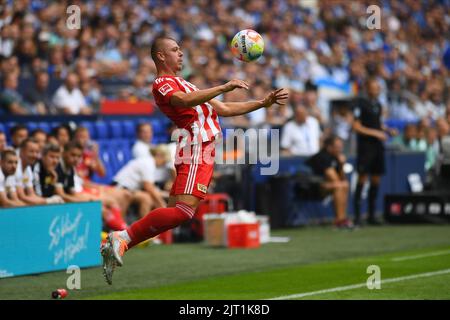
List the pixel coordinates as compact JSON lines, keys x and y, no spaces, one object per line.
{"x":201,"y":120}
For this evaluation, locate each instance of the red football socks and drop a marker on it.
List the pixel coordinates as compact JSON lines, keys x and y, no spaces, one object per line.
{"x":114,"y":219}
{"x":158,"y":221}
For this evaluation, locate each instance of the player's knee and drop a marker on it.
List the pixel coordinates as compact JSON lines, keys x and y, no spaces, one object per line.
{"x":187,"y":210}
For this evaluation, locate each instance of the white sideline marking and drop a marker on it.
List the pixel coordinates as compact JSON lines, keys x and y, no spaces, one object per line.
{"x":361,"y":285}
{"x":425,"y":255}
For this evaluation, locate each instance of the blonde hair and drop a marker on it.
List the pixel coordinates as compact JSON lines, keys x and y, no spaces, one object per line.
{"x":161,"y":149}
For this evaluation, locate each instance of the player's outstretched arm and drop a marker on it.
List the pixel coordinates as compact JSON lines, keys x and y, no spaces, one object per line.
{"x":230,"y":109}
{"x":192,"y":99}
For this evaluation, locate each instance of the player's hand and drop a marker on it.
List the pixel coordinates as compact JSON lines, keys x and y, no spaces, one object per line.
{"x":235,"y":84}
{"x":278,"y":96}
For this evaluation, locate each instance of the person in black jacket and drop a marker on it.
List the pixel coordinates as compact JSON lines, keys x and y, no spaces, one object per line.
{"x":371,"y":134}
{"x":328,"y":163}
{"x":45,"y":176}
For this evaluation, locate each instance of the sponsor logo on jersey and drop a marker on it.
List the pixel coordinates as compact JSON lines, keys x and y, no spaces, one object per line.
{"x":201,"y":187}
{"x":165,"y":89}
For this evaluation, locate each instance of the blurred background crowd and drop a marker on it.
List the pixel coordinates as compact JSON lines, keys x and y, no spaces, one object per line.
{"x":319,"y":50}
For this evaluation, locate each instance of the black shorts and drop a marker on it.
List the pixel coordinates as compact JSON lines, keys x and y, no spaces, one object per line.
{"x":370,"y":160}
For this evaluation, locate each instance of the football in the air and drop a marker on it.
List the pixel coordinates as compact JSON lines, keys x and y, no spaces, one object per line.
{"x":247,"y":45}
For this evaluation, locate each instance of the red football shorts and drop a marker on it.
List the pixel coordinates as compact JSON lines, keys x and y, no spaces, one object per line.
{"x":194,"y":166}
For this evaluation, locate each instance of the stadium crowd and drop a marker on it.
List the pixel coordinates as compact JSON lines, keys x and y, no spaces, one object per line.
{"x":40,"y":168}
{"x":46,"y":68}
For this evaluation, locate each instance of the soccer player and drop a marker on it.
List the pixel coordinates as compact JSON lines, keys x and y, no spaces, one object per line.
{"x":196,"y":113}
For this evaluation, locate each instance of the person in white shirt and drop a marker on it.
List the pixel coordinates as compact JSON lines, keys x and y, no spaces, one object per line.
{"x":301,"y":136}
{"x":8,"y":166}
{"x":138,"y":176}
{"x":141,"y":147}
{"x":29,"y":155}
{"x":69,"y":99}
{"x":165,"y":172}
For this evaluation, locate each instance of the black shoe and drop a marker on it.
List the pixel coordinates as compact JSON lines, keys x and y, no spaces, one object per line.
{"x":374,"y":222}
{"x":357,"y":222}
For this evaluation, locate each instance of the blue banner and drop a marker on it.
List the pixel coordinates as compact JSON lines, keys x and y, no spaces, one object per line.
{"x":49,"y":238}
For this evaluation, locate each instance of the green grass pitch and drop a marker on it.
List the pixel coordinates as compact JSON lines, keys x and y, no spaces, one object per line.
{"x":318,"y":263}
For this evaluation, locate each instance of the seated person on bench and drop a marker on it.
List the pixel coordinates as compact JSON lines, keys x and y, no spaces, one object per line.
{"x":328,"y":163}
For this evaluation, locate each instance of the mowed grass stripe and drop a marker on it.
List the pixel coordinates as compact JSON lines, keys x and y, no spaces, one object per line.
{"x":288,"y":281}
{"x":363,"y":285}
{"x":430,"y":288}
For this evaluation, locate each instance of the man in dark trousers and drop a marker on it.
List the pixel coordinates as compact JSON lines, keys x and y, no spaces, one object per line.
{"x":371,"y":132}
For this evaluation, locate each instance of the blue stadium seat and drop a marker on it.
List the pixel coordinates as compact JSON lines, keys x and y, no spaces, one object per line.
{"x":158,"y":127}
{"x":115,"y":129}
{"x":120,"y":154}
{"x":101,"y":130}
{"x":128,"y":129}
{"x":2,"y":128}
{"x":44,"y":126}
{"x":32,"y":126}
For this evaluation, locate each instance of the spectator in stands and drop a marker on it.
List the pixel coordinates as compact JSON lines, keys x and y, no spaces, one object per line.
{"x":164,"y":172}
{"x":432,"y":150}
{"x":140,"y":89}
{"x":63,"y":135}
{"x":11,"y":101}
{"x":443,"y":130}
{"x":278,"y":115}
{"x":65,"y":170}
{"x":138,"y":176}
{"x":141,"y":148}
{"x":29,"y":154}
{"x":45,"y":176}
{"x":18,"y":134}
{"x":421,"y":139}
{"x":329,"y":164}
{"x":310,"y":102}
{"x":8,"y":166}
{"x":69,"y":99}
{"x":65,"y":186}
{"x":341,"y":123}
{"x":39,"y":95}
{"x":90,"y":163}
{"x":408,"y":140}
{"x":301,"y":136}
{"x":41,"y":137}
{"x":3,"y":142}
{"x":51,"y":138}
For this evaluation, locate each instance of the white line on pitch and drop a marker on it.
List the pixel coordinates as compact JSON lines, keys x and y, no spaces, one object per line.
{"x":419,"y":256}
{"x":361,"y":285}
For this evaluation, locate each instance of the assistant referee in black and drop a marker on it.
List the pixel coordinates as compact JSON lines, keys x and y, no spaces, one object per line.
{"x":371,"y":135}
